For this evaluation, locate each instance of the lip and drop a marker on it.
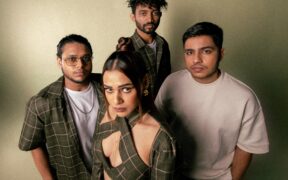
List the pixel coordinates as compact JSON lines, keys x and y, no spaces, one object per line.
{"x":119,"y":109}
{"x":197,"y":68}
{"x":149,"y":26}
{"x":79,"y":73}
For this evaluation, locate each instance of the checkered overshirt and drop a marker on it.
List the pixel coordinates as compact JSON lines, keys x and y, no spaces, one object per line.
{"x":49,"y":124}
{"x":162,"y":157}
{"x":158,"y":66}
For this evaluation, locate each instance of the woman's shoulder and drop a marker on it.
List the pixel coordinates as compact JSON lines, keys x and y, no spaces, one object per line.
{"x":164,"y":136}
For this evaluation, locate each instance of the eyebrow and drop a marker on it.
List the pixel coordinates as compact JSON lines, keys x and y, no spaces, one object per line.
{"x":74,"y":55}
{"x":121,"y":86}
{"x":205,"y":47}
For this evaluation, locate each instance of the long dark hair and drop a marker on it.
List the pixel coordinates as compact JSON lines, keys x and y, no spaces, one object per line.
{"x":132,"y":65}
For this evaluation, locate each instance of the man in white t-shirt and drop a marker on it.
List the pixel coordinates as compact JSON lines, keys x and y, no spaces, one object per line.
{"x":60,"y":120}
{"x":217,"y":119}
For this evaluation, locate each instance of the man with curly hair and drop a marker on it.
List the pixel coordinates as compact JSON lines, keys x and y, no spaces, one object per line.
{"x":153,"y":48}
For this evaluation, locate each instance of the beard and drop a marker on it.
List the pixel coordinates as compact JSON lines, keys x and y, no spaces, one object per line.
{"x":146,"y":30}
{"x":83,"y":80}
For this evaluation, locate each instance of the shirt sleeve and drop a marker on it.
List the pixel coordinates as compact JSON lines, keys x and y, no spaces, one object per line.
{"x":253,"y":136}
{"x":164,"y":157}
{"x":32,"y":135}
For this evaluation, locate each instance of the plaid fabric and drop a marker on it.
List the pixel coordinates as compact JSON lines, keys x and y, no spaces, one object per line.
{"x":159,"y":66}
{"x":49,"y":124}
{"x":162,"y":157}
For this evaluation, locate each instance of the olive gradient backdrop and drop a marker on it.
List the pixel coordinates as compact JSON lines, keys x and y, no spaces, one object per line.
{"x":255,"y":43}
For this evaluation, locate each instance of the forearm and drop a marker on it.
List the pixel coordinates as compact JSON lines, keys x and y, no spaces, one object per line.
{"x":42,"y":164}
{"x":240,"y":163}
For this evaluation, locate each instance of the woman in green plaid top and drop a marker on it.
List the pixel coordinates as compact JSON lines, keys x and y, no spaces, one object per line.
{"x":131,"y":142}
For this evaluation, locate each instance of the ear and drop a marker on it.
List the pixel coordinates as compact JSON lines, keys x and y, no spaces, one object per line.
{"x":59,"y":62}
{"x":132,"y":16}
{"x":222,"y":53}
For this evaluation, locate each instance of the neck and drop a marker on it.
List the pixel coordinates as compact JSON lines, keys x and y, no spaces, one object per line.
{"x":148,"y":38}
{"x":74,"y":86}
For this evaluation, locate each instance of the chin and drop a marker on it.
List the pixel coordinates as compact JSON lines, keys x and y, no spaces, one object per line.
{"x":122,"y":114}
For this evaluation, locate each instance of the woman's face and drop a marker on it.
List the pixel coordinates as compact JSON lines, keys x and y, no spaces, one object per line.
{"x":120,"y":92}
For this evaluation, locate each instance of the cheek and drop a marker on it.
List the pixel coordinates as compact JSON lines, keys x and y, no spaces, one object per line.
{"x":156,"y":19}
{"x":212,"y":63}
{"x":109,"y":98}
{"x":65,"y":69}
{"x":89,"y":66}
{"x":187,"y":61}
{"x":133,"y":101}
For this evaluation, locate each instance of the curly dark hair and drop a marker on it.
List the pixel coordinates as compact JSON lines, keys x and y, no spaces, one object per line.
{"x":154,"y":3}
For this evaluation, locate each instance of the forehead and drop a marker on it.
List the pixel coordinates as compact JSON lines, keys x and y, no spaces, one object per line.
{"x":199,"y":41}
{"x":147,"y":7}
{"x":115,"y":78}
{"x":74,"y":47}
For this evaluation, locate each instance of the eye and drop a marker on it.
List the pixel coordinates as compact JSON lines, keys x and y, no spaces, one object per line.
{"x":156,"y":13}
{"x":207,"y":51}
{"x":108,"y":90}
{"x":143,"y":13}
{"x":127,"y":89}
{"x":72,"y":59}
{"x":86,"y":59}
{"x":188,"y":52}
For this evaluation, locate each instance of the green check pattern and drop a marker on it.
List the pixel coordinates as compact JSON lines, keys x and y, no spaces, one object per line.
{"x":162,"y":157}
{"x":158,"y":66}
{"x":49,"y":124}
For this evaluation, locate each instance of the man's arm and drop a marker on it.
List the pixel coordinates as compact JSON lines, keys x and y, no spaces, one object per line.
{"x":41,"y":161}
{"x":240,"y":163}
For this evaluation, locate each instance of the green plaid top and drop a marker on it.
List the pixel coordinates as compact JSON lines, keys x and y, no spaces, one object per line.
{"x":159,"y":66}
{"x":49,"y":124}
{"x":162,"y":156}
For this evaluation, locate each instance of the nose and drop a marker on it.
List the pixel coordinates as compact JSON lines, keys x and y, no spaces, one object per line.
{"x":150,"y":17}
{"x":80,"y":63}
{"x":197,"y":58}
{"x":118,"y":97}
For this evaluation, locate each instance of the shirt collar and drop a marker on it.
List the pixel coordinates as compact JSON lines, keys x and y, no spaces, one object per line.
{"x":139,"y":43}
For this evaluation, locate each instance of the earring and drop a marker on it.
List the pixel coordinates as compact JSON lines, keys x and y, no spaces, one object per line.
{"x":145,"y":92}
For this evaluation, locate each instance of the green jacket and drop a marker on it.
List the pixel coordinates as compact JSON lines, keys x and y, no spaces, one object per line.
{"x":49,"y":124}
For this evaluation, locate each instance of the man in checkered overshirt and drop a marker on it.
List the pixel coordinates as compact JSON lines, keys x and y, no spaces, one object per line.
{"x":153,"y":48}
{"x":60,"y":120}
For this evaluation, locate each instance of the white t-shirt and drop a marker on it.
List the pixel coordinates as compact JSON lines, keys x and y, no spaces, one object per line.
{"x":153,"y":46}
{"x":85,"y":107}
{"x":210,"y":120}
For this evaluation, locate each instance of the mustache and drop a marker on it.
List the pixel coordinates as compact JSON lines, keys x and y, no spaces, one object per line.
{"x":151,"y":23}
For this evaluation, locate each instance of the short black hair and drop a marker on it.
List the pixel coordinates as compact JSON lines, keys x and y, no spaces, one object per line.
{"x":205,"y":28}
{"x":71,"y":39}
{"x":154,"y":3}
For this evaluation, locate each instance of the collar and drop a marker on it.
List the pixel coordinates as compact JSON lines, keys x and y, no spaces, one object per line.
{"x":139,"y":43}
{"x":56,"y":89}
{"x":133,"y":117}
